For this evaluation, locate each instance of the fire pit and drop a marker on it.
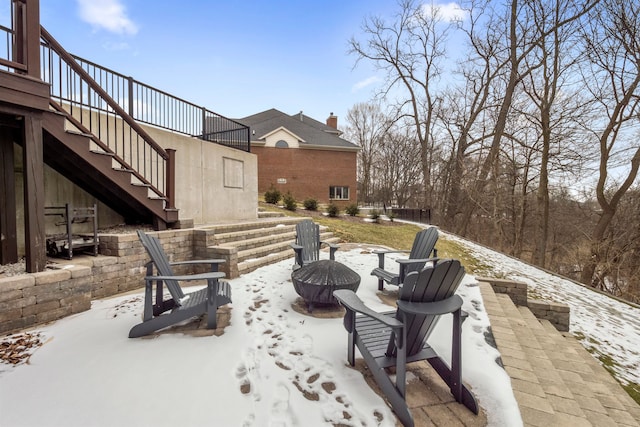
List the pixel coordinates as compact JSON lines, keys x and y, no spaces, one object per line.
{"x":315,"y":282}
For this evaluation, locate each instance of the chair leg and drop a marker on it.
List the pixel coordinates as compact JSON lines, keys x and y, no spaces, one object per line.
{"x":212,"y":306}
{"x":393,"y":395}
{"x":456,"y":357}
{"x":351,"y":349}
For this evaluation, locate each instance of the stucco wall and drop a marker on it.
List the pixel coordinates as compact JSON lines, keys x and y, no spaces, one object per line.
{"x":213,"y":183}
{"x":308,"y":172}
{"x":208,"y":188}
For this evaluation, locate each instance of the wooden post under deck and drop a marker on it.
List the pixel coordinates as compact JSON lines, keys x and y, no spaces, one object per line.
{"x":8,"y":211}
{"x":35,"y":238}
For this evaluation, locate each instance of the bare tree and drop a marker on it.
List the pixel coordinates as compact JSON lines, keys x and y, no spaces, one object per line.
{"x":519,"y":38}
{"x":398,"y":175}
{"x":557,"y":107}
{"x":612,"y":44}
{"x":366,"y":127}
{"x":410,"y":50}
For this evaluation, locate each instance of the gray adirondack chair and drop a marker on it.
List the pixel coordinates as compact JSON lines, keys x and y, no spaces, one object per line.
{"x":307,"y":245}
{"x":180,"y":306}
{"x":422,"y":251}
{"x":399,"y":337}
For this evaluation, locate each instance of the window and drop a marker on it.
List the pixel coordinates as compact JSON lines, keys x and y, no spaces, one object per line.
{"x":339,"y":193}
{"x":282,"y":144}
{"x":233,"y":173}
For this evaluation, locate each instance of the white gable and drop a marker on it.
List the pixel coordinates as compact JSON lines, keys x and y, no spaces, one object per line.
{"x":281,"y":134}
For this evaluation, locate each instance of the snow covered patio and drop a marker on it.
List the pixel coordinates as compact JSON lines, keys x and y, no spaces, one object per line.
{"x":275,"y":366}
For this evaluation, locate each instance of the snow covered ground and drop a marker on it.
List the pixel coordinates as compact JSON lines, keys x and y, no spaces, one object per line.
{"x":272,"y":366}
{"x":610,"y":328}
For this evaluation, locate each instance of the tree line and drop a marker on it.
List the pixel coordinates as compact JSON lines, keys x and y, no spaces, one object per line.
{"x":517,"y":123}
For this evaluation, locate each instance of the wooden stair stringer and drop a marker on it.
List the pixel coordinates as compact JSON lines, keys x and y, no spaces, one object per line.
{"x":74,"y":155}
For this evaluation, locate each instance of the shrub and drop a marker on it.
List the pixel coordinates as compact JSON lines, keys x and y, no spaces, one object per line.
{"x":333,"y":210}
{"x":352,"y":209}
{"x":375,"y":215}
{"x":310,"y":204}
{"x":289,"y":202}
{"x":272,"y":195}
{"x":391,"y":216}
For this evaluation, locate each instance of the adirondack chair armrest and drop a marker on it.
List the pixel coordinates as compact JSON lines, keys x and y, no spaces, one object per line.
{"x":382,"y":252}
{"x":407,"y":261}
{"x":332,"y":249}
{"x":448,"y":305}
{"x":190,"y":277}
{"x":389,"y":251}
{"x":213,"y":263}
{"x":298,"y":254}
{"x":351,"y":302}
{"x":200,"y":261}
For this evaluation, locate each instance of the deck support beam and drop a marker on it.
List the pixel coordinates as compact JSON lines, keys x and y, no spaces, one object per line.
{"x":32,"y":157}
{"x":8,"y":210}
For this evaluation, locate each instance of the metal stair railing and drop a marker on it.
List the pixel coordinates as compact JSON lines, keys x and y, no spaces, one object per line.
{"x":149,"y":105}
{"x":111,"y":128}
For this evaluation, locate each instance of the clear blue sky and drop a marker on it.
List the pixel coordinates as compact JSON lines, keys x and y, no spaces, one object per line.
{"x":234,"y":58}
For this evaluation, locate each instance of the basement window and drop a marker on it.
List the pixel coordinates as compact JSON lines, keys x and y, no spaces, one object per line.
{"x":339,"y":193}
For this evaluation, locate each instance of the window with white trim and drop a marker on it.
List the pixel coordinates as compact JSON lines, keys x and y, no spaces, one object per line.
{"x":339,"y":193}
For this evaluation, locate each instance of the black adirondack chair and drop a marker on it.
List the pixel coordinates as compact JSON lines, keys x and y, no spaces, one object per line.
{"x":422,"y":251}
{"x":399,"y":337}
{"x":180,"y":306}
{"x":307,"y":245}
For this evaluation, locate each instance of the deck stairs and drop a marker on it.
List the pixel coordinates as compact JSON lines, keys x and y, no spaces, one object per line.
{"x":74,"y":154}
{"x":252,"y":244}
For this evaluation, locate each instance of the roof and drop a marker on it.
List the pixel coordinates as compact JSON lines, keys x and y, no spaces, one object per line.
{"x":310,"y":131}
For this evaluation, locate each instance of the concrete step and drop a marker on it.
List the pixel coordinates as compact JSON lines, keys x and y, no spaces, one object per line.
{"x":267,"y":214}
{"x":249,"y":265}
{"x":252,"y":225}
{"x":244,"y":235}
{"x":272,"y":238}
{"x":255,"y":243}
{"x":555,"y":380}
{"x":266,"y":250}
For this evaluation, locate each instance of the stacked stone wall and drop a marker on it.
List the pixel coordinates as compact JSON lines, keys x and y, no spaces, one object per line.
{"x":557,"y":314}
{"x":30,"y":299}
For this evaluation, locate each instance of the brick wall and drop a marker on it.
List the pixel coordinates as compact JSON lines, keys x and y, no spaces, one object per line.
{"x":309,"y":173}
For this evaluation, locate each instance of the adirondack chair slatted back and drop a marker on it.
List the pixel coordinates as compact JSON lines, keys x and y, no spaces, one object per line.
{"x":423,"y":245}
{"x":431,"y":284}
{"x":161,"y":261}
{"x":308,"y":236}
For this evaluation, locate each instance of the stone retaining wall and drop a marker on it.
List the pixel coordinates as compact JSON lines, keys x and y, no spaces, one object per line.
{"x":31,"y":299}
{"x":557,"y":314}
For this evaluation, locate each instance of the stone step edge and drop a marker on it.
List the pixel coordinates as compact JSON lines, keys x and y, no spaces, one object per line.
{"x":250,"y":225}
{"x":272,"y":248}
{"x":558,"y":314}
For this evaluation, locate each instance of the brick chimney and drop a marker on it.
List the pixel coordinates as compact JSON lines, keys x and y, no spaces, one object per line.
{"x":332,"y":121}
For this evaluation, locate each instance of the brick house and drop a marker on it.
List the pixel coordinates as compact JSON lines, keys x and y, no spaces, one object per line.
{"x":303,"y":156}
